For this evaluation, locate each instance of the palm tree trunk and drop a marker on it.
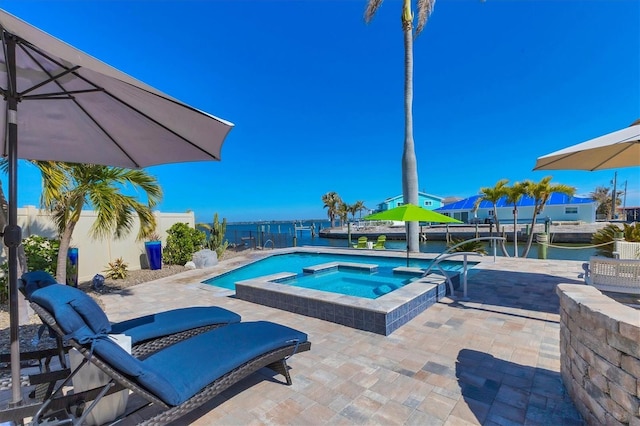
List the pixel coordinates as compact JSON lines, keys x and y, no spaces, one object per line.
{"x":65,"y":243}
{"x":530,"y":237}
{"x":409,"y":163}
{"x":515,"y":232}
{"x":503,"y":248}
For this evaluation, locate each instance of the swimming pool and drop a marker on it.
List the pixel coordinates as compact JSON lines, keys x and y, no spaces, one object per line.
{"x":370,"y":283}
{"x":351,"y":281}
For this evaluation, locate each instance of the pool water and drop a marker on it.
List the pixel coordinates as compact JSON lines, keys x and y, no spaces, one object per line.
{"x":370,"y":285}
{"x":338,"y":280}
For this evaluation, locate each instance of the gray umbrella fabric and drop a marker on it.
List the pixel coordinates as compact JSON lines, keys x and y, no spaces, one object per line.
{"x":611,"y":151}
{"x":61,"y":104}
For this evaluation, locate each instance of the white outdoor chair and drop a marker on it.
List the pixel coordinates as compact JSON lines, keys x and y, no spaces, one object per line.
{"x":615,"y":275}
{"x":626,"y":250}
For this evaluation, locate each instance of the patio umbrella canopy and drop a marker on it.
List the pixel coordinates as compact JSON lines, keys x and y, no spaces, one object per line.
{"x":68,"y":106}
{"x":613,"y":150}
{"x":411,"y":213}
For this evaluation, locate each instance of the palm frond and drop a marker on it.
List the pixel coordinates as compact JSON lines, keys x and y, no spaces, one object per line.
{"x":425,"y":8}
{"x":372,"y":8}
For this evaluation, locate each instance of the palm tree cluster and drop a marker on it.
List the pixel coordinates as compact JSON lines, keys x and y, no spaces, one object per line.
{"x":336,"y":208}
{"x":540,"y":192}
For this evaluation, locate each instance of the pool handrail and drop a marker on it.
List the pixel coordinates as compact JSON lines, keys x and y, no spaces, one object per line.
{"x":448,"y":254}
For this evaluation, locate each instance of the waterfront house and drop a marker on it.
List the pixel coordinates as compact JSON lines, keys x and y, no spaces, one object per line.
{"x":629,"y":214}
{"x":426,"y":201}
{"x":559,"y":208}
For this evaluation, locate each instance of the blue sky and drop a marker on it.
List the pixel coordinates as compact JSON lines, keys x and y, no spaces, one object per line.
{"x":317,"y":95}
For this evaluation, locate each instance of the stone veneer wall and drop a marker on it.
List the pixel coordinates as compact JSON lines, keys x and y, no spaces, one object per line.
{"x":600,"y":355}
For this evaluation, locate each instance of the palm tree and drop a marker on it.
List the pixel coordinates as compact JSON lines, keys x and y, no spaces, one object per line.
{"x":352,"y":209}
{"x":514,"y":194}
{"x":331,"y":200}
{"x":541,"y":192}
{"x":409,"y":163}
{"x":601,"y":195}
{"x":343,"y":212}
{"x":68,"y":187}
{"x":493,"y":195}
{"x":355,"y":208}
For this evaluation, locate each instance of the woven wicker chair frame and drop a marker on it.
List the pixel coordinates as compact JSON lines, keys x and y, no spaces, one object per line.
{"x":616,"y":275}
{"x":275,"y":360}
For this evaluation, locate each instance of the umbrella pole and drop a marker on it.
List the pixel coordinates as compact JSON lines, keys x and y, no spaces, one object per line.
{"x":12,"y":232}
{"x":407,"y":237}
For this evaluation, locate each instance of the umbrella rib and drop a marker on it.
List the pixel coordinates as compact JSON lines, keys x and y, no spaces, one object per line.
{"x":553,"y":161}
{"x":65,"y":94}
{"x":60,"y":95}
{"x":55,"y":81}
{"x":4,"y":34}
{"x":624,"y":148}
{"x":23,"y":44}
{"x":159,"y":124}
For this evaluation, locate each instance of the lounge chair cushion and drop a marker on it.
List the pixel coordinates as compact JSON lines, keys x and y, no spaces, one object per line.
{"x":34,"y":280}
{"x":77,"y":313}
{"x":139,"y":329}
{"x":174,"y":321}
{"x":192,"y":364}
{"x":178,"y":372}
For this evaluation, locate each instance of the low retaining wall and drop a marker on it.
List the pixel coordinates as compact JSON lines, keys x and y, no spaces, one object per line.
{"x":600,"y":355}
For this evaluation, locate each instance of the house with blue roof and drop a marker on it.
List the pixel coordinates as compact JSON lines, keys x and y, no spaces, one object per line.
{"x":426,"y":201}
{"x":559,"y":208}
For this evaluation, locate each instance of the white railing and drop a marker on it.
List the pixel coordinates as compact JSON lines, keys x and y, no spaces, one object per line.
{"x":449,"y":254}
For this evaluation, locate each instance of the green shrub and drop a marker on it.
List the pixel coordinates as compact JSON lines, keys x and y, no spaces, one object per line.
{"x":182,"y":242}
{"x":117,"y":270}
{"x":606,"y":235}
{"x":41,"y":253}
{"x":472,"y":246}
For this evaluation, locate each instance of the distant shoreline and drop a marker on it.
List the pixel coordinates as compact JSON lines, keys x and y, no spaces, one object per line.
{"x":560,"y":233}
{"x":276,"y":222}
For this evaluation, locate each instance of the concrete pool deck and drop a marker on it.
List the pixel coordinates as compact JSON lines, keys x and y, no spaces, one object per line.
{"x":493,"y":359}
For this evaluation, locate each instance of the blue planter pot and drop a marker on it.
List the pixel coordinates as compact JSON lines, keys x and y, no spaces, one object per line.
{"x":72,"y":267}
{"x":154,"y":254}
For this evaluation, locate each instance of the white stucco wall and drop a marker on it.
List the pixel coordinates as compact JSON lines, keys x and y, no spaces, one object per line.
{"x":95,"y":255}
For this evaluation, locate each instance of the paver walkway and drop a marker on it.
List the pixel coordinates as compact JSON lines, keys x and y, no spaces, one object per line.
{"x":492,"y":360}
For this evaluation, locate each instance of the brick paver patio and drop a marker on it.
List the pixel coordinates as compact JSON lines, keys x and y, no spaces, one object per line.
{"x":493,"y":359}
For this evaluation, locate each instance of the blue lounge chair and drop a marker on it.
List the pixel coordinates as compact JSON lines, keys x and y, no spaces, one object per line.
{"x":150,"y":332}
{"x":178,"y":378}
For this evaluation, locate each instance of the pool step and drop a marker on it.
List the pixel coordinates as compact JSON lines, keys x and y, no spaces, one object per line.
{"x":333,"y":266}
{"x":453,"y":275}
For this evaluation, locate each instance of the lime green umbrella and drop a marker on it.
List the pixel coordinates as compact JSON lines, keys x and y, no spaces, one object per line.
{"x":411,"y":213}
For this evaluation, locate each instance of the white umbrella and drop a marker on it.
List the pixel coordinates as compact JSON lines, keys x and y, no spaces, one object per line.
{"x":611,"y":151}
{"x":61,"y":104}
